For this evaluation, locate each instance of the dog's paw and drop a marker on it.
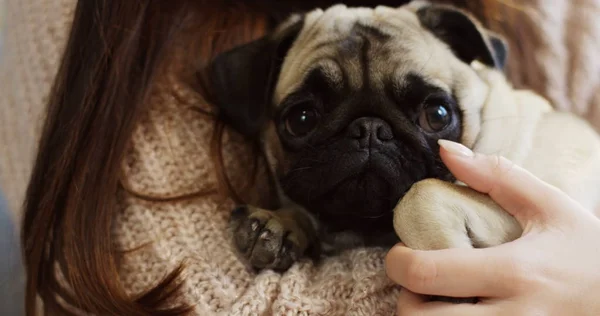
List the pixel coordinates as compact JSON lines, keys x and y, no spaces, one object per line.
{"x":268,"y":239}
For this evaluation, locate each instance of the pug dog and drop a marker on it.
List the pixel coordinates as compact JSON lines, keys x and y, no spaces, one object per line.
{"x":348,"y":105}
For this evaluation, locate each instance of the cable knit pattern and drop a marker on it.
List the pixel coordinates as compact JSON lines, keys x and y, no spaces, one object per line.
{"x":554,"y":47}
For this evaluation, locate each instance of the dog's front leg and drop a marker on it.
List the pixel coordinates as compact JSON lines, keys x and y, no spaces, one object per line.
{"x":435,"y":214}
{"x":273,"y":239}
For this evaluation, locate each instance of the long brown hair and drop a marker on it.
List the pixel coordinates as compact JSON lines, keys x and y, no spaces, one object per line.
{"x":115,"y":51}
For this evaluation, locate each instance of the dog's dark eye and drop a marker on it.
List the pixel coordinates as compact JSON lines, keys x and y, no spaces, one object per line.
{"x":301,"y":120}
{"x":434,"y":118}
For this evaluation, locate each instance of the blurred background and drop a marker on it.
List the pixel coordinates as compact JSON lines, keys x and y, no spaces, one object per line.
{"x":11,"y":272}
{"x":1,"y":24}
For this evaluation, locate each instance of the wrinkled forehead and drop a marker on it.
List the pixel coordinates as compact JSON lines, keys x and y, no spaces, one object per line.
{"x":363,"y":46}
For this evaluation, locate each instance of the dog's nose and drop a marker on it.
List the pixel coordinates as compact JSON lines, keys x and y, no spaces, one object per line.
{"x":370,"y":131}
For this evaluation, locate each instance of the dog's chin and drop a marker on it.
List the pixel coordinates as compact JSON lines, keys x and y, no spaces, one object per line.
{"x":361,"y":203}
{"x":366,"y":195}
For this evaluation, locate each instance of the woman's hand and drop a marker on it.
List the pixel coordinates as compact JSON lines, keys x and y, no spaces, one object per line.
{"x":553,"y":269}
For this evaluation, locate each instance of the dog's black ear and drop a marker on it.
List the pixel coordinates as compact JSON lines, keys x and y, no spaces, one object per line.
{"x":499,"y":47}
{"x":242,"y":79}
{"x":464,"y":34}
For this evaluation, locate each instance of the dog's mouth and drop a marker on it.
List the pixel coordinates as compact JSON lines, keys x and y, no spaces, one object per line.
{"x":361,"y":202}
{"x":359,"y":190}
{"x":368,"y":194}
{"x":354,"y":192}
{"x":371,"y":171}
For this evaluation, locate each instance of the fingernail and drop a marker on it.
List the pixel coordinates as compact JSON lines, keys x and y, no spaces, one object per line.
{"x":455,"y":148}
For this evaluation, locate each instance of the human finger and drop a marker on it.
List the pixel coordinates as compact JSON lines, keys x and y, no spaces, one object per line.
{"x":410,"y":304}
{"x":515,"y":189}
{"x":450,"y":272}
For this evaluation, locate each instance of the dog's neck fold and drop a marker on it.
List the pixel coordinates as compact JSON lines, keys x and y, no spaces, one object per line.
{"x":508,"y":118}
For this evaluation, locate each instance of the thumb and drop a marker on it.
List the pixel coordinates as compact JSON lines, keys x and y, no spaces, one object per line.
{"x":515,"y":189}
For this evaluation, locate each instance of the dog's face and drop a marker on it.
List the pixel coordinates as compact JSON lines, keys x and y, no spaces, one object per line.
{"x":351,"y":103}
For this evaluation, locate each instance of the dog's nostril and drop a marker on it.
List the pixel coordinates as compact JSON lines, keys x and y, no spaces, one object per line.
{"x":356,"y":130}
{"x":359,"y":131}
{"x":370,"y":128}
{"x":384,"y":132}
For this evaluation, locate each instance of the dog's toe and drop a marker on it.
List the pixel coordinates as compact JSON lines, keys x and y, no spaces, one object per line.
{"x":267,"y":240}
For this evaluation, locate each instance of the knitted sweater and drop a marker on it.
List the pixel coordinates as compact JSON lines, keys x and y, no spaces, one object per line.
{"x":554,"y":51}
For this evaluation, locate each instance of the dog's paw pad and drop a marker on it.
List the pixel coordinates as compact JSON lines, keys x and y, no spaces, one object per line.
{"x":266,"y":239}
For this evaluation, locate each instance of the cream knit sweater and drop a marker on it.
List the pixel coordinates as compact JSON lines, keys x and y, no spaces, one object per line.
{"x":556,"y":53}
